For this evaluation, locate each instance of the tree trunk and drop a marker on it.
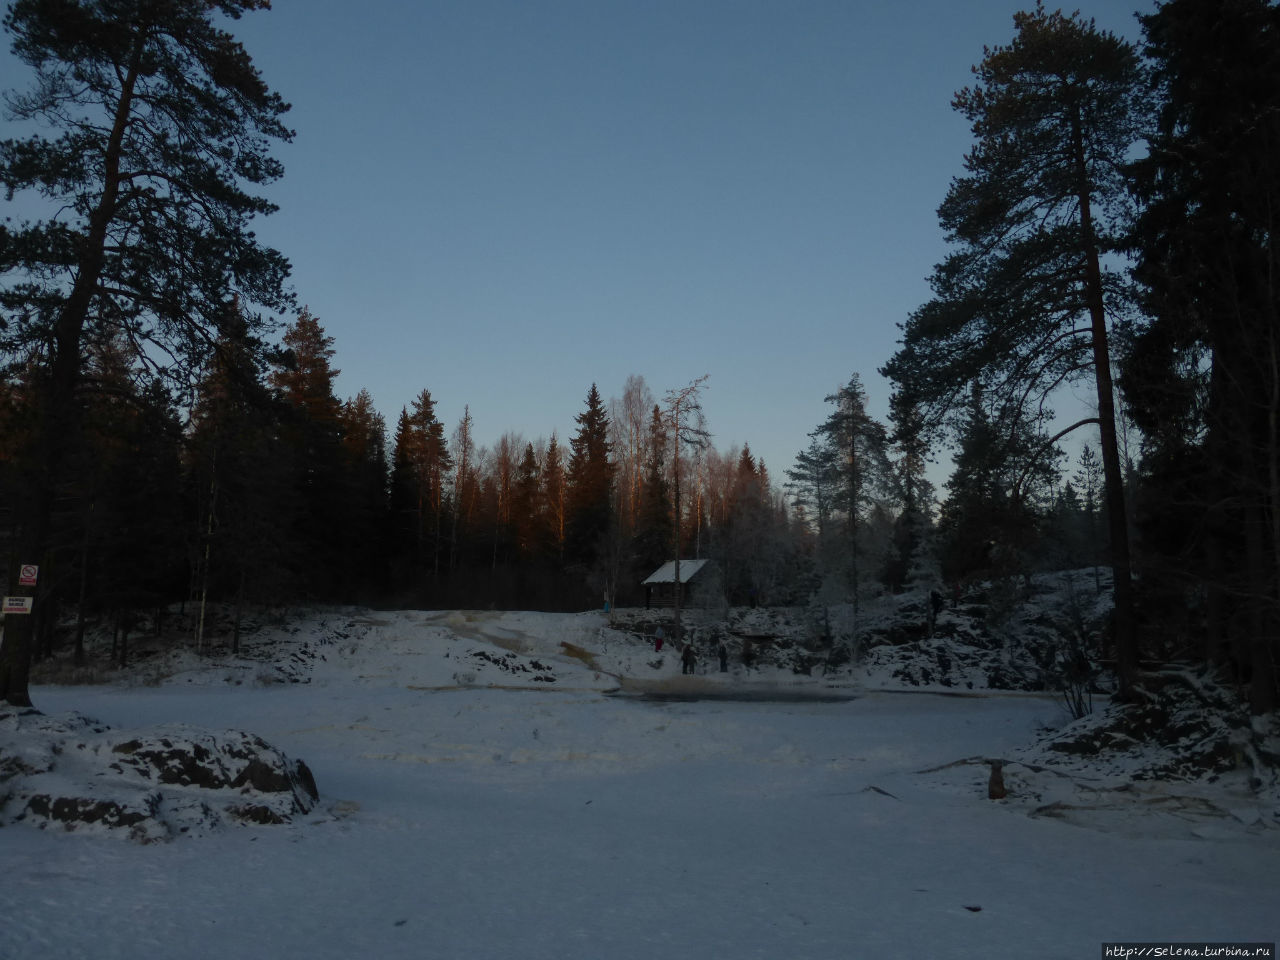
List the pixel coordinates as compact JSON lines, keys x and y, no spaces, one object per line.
{"x":853,"y":525}
{"x":80,"y":613}
{"x":1126,"y":640}
{"x":235,"y":630}
{"x":1262,"y":615}
{"x":204,"y":565}
{"x":676,"y":607}
{"x":1263,"y":693}
{"x":58,"y":413}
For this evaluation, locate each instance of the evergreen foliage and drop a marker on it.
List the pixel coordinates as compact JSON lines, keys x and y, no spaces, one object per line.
{"x":420,"y":467}
{"x":311,"y":444}
{"x":991,"y":520}
{"x":160,"y":122}
{"x":130,"y":307}
{"x":589,"y":481}
{"x":856,"y":463}
{"x":1021,"y":306}
{"x":238,"y":479}
{"x":653,"y":538}
{"x":1202,"y":370}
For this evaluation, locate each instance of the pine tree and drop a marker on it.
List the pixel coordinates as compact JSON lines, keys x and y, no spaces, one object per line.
{"x":161,"y":119}
{"x":1022,"y":304}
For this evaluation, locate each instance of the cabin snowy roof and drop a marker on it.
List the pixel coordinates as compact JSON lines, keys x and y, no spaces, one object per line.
{"x":667,"y":572}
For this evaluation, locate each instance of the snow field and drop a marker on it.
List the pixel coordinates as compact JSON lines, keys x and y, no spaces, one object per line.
{"x":463,"y":820}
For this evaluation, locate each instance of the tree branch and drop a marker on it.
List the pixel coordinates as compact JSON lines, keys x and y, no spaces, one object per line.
{"x":1035,"y":456}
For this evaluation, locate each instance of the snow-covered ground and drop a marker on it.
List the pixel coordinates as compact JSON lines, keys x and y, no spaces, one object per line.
{"x":483,"y":793}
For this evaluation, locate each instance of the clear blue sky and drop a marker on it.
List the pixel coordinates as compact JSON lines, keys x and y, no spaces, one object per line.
{"x":506,"y":200}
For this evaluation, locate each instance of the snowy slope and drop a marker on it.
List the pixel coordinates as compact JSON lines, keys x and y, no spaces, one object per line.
{"x":470,"y":809}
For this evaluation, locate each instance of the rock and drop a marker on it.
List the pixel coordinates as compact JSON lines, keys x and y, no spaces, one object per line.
{"x":69,"y":810}
{"x":71,"y":773}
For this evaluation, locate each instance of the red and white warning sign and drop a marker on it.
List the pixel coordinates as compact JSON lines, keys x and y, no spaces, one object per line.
{"x":17,"y":605}
{"x":27,"y":575}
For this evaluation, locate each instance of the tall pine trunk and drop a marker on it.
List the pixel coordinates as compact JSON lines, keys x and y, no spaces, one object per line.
{"x":1126,"y":641}
{"x":58,"y":413}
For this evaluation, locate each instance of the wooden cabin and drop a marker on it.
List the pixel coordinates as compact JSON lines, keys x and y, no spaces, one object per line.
{"x":660,"y":586}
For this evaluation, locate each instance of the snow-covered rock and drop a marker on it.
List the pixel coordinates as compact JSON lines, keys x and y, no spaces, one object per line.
{"x":72,"y":773}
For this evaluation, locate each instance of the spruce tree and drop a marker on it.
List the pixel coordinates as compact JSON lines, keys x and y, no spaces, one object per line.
{"x":553,"y":502}
{"x":420,"y":466}
{"x":740,"y":542}
{"x":240,"y":480}
{"x":654,"y":527}
{"x":312,"y":441}
{"x":121,"y":515}
{"x":913,"y":563}
{"x":811,"y":483}
{"x":364,"y":446}
{"x":990,"y":519}
{"x":589,"y":502}
{"x":1203,"y":371}
{"x":304,"y":375}
{"x":858,"y":450}
{"x":524,"y":505}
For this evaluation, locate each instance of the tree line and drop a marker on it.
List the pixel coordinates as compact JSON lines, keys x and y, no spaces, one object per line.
{"x":1112,"y":228}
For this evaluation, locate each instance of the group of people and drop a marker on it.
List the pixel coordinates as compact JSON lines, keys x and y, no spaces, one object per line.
{"x":689,"y":654}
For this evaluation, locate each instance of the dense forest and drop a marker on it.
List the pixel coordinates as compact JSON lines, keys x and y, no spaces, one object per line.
{"x":164,"y":441}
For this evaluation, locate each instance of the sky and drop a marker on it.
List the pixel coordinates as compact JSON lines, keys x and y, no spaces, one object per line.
{"x":505,"y":201}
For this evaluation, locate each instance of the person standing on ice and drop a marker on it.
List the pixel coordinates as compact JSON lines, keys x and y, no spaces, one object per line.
{"x":723,"y":653}
{"x":688,"y":659}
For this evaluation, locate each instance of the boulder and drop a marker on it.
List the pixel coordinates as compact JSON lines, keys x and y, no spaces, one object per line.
{"x":69,"y":772}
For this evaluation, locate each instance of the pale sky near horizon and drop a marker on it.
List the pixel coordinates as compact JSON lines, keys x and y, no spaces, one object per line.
{"x":504,"y":201}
